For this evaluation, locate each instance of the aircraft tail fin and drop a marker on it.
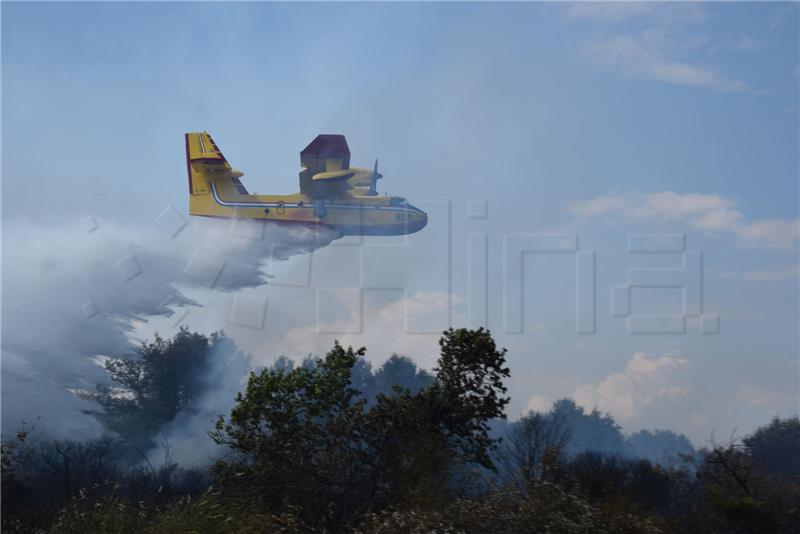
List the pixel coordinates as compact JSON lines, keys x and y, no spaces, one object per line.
{"x":205,"y":164}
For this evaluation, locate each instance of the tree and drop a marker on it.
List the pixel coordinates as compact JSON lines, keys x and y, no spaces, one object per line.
{"x":776,"y":447}
{"x":418,"y":437}
{"x":163,"y":378}
{"x":593,"y":431}
{"x":533,"y":445}
{"x":659,"y":446}
{"x":469,"y":380}
{"x":307,"y":438}
{"x":68,"y":466}
{"x":403,"y":372}
{"x":739,"y":494}
{"x":297,"y":435}
{"x":397,"y":371}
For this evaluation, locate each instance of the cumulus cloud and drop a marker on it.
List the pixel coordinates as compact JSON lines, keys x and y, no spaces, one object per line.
{"x":646,"y":380}
{"x":539,"y":404}
{"x":378,"y":324}
{"x":714,"y":214}
{"x":668,"y":35}
{"x":638,"y":56}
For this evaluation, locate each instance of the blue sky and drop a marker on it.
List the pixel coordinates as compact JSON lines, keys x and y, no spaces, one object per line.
{"x":593,"y":120}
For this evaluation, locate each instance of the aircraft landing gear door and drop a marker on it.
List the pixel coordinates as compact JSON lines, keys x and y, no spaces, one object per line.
{"x":281,"y":207}
{"x":320,"y":211}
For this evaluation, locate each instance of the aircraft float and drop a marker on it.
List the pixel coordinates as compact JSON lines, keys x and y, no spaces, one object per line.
{"x":331,"y":192}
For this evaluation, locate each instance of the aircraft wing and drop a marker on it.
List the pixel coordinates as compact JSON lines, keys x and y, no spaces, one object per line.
{"x":326,"y":165}
{"x":333,"y":176}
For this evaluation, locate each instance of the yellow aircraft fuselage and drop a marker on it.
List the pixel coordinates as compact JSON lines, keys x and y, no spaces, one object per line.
{"x":332,"y":193}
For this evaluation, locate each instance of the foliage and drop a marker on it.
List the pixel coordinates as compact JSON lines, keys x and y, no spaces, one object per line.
{"x":297,"y":438}
{"x":400,"y":371}
{"x":592,"y":431}
{"x":660,"y":446}
{"x":208,"y":512}
{"x":165,"y":377}
{"x":533,"y":449}
{"x":598,"y":432}
{"x":306,"y":437}
{"x":17,"y":497}
{"x":776,"y":447}
{"x":328,"y":446}
{"x":469,"y":381}
{"x":738,"y":494}
{"x":547,"y":509}
{"x":397,"y":371}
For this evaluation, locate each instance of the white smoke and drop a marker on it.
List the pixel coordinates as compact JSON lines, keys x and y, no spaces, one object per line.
{"x":71,"y":294}
{"x":186,"y":439}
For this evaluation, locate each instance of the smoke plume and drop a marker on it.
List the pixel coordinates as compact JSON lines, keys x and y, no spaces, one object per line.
{"x":72,"y":295}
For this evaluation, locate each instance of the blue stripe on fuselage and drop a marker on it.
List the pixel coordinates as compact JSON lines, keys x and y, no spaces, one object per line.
{"x":230,"y":204}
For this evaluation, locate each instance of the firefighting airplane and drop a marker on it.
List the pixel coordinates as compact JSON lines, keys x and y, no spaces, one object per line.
{"x":331,"y":192}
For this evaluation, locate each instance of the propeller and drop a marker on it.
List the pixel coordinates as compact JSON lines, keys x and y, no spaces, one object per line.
{"x":373,"y":185}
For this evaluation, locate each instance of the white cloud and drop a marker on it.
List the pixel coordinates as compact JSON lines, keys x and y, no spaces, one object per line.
{"x":775,"y":233}
{"x":789,"y":273}
{"x":383,"y":326}
{"x":647,"y":58}
{"x":662,"y":45}
{"x":598,"y":205}
{"x":754,"y":396}
{"x":609,"y":11}
{"x":538,"y":403}
{"x":653,"y":12}
{"x":748,"y":44}
{"x":646,"y":380}
{"x":708,"y":213}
